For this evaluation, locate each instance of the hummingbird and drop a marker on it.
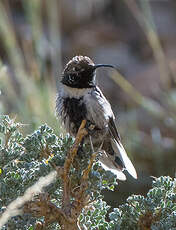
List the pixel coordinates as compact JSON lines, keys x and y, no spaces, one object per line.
{"x":79,"y":98}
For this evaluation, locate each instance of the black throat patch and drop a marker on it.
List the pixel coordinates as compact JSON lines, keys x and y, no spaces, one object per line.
{"x":76,"y":110}
{"x":82,"y":80}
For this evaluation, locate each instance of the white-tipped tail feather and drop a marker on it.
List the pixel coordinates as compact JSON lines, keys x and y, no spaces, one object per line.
{"x":120,"y":175}
{"x":107,"y":164}
{"x":119,"y":149}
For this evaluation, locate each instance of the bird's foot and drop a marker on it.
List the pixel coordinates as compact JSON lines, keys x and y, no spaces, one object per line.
{"x":90,"y":127}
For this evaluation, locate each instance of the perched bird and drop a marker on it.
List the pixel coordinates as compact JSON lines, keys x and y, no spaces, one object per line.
{"x":80,"y":98}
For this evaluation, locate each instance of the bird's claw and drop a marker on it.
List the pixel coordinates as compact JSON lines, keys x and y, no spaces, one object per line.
{"x":90,"y":128}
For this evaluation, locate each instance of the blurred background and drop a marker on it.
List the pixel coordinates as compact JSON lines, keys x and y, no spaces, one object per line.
{"x":38,"y":37}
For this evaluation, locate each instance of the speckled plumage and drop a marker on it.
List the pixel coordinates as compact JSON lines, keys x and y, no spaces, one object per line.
{"x":80,"y":98}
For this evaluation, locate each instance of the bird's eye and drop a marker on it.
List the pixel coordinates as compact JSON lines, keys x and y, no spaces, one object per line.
{"x":77,"y":69}
{"x":71,"y":78}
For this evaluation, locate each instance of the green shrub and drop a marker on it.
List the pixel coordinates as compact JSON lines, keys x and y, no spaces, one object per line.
{"x":23,"y":160}
{"x":155,"y":211}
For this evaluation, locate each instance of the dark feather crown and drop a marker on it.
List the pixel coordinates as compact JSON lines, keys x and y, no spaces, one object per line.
{"x":78,"y":63}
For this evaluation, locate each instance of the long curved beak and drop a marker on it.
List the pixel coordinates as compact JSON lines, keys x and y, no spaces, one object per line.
{"x":103,"y":65}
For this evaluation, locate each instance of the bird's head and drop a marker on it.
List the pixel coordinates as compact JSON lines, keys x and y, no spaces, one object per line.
{"x":79,"y":72}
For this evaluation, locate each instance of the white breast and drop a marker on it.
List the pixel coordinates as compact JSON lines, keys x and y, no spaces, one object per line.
{"x":75,"y":92}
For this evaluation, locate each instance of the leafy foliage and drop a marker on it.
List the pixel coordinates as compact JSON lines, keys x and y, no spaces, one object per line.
{"x":23,"y":160}
{"x":155,"y":211}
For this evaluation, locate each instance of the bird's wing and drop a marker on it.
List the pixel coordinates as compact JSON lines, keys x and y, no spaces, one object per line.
{"x":100,"y":113}
{"x":119,"y":149}
{"x":113,"y":130}
{"x":98,"y":108}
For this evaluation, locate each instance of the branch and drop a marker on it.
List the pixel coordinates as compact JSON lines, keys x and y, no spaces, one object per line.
{"x":69,"y":160}
{"x":72,"y":201}
{"x":14,"y":207}
{"x":81,"y":198}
